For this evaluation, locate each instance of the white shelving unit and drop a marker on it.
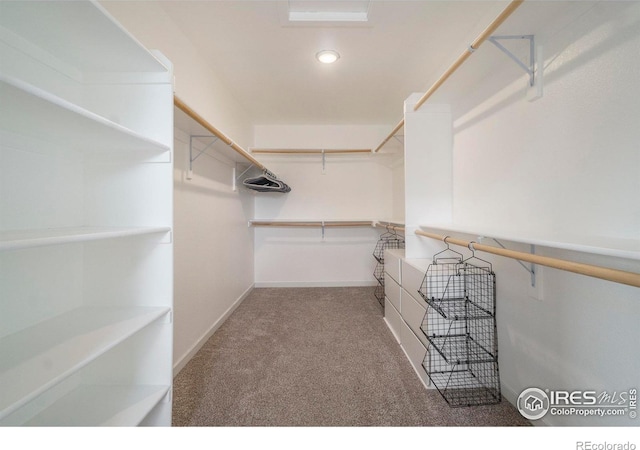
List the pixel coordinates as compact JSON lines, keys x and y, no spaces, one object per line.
{"x":86,"y":255}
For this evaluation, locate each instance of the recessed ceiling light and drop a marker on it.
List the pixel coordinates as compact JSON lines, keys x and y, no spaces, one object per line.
{"x":327,"y":56}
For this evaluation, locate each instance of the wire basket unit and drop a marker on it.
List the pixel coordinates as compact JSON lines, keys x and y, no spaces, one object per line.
{"x":460,"y":325}
{"x":388,"y":240}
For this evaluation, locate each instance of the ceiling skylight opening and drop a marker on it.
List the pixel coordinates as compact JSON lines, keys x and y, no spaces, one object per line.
{"x":329,"y":11}
{"x":328,"y":16}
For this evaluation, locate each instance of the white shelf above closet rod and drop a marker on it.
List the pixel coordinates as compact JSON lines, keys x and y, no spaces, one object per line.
{"x":313,"y":224}
{"x":307,"y":224}
{"x":493,"y":26}
{"x":617,"y":276}
{"x":311,"y":151}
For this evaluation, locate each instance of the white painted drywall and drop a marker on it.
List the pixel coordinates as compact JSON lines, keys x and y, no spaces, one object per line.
{"x":352,"y":187}
{"x":213,"y":248}
{"x":567,"y":163}
{"x":428,"y":171}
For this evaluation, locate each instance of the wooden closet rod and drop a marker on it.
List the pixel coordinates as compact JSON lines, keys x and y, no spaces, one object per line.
{"x":390,"y":227}
{"x":618,"y":276}
{"x":392,"y":134}
{"x":333,"y":223}
{"x":219,"y":134}
{"x":511,"y":7}
{"x":313,"y":151}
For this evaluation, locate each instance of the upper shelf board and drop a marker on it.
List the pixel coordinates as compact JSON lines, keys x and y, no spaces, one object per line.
{"x":80,"y":34}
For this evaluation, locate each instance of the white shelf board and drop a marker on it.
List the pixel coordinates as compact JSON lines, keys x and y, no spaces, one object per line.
{"x":37,"y":358}
{"x":30,"y":111}
{"x":597,"y":245}
{"x":21,"y":239}
{"x":113,"y":406}
{"x":57,"y":28}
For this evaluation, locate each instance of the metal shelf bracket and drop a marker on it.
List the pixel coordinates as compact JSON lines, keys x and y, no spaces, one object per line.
{"x":532,"y":54}
{"x":236,"y":178}
{"x":532,"y":267}
{"x":199,"y":152}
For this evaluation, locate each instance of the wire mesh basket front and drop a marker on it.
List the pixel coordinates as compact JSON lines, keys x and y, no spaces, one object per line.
{"x":472,"y":384}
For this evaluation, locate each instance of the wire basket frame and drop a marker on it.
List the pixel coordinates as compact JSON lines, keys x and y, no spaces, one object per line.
{"x":472,"y":384}
{"x":378,"y":293}
{"x":387,"y":241}
{"x":378,"y":273}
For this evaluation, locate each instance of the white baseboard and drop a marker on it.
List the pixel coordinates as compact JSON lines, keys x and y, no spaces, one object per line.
{"x":292,"y":284}
{"x":392,"y":332}
{"x":184,"y":359}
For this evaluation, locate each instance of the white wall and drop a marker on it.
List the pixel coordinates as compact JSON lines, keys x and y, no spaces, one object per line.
{"x":351,"y":188}
{"x":398,"y":191}
{"x":213,"y":248}
{"x":566,"y":164}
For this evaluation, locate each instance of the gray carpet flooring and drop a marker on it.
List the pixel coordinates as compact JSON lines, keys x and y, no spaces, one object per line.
{"x":313,"y":357}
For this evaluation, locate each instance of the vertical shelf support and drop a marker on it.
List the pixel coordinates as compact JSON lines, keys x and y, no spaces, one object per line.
{"x":531,"y":68}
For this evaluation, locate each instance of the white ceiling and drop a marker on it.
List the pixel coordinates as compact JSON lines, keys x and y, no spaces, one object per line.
{"x":269,"y":63}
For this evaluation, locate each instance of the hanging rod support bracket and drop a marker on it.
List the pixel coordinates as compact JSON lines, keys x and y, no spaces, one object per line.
{"x":531,"y":269}
{"x":244,"y":171}
{"x":199,"y":152}
{"x":528,"y":69}
{"x":235,"y":178}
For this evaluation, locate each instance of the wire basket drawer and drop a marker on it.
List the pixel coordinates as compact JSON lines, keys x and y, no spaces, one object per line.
{"x":459,"y":290}
{"x":472,"y":384}
{"x":461,"y":342}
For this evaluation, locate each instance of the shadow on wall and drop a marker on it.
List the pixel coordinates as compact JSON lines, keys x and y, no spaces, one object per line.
{"x":621,"y":28}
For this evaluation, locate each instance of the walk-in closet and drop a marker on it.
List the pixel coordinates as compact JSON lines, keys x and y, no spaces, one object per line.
{"x":284,"y":213}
